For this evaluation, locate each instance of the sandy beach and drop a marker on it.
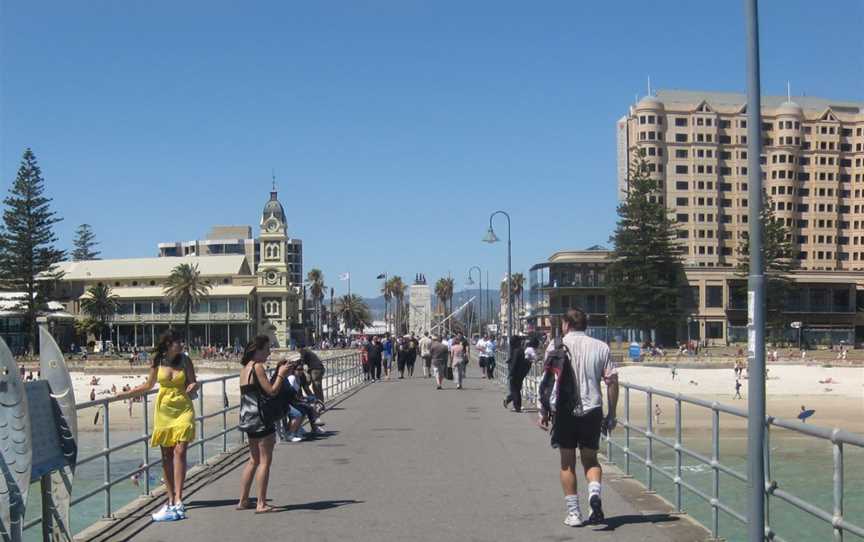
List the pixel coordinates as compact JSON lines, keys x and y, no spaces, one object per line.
{"x":839,"y":403}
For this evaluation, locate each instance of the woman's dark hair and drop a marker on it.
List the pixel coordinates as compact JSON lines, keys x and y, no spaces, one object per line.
{"x":161,"y":351}
{"x":534,"y":342}
{"x":257,"y":343}
{"x":515,"y":342}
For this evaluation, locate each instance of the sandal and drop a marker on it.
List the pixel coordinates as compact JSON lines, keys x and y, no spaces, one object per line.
{"x":265,"y":510}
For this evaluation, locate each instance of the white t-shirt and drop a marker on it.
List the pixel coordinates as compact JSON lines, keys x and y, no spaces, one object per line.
{"x":295,"y":382}
{"x":530,"y":354}
{"x":489,"y":347}
{"x":592,"y":362}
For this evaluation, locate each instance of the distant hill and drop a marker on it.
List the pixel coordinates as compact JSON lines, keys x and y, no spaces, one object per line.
{"x":376,"y":304}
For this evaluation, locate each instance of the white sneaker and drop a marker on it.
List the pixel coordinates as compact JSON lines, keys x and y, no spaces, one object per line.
{"x":166,"y":513}
{"x":180,"y":510}
{"x":573,"y":520}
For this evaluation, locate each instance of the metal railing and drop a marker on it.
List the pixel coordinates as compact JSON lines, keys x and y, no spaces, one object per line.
{"x":837,"y":438}
{"x":342,"y":374}
{"x":773,"y":489}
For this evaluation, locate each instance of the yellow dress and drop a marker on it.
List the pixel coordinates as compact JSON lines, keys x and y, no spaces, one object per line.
{"x":174,"y":413}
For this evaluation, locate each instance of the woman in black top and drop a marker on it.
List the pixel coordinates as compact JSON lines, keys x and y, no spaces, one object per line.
{"x":254,"y":382}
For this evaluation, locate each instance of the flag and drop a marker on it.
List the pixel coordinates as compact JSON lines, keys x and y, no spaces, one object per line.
{"x":382,"y":276}
{"x":345,"y":276}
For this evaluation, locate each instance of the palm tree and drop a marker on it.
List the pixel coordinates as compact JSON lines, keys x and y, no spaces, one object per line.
{"x":100,"y":305}
{"x":83,"y":328}
{"x":387,"y":290}
{"x":397,"y":290}
{"x":444,"y":292}
{"x":316,"y":289}
{"x":353,"y":311}
{"x":441,"y":294}
{"x":185,"y":288}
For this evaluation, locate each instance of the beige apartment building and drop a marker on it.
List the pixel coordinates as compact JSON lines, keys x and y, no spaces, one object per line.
{"x":695,"y":144}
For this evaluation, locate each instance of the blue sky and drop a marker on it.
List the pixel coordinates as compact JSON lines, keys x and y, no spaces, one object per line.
{"x":395,"y":127}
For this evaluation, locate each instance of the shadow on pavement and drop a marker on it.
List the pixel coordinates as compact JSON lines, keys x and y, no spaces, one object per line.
{"x":317,"y":505}
{"x":614,"y":522}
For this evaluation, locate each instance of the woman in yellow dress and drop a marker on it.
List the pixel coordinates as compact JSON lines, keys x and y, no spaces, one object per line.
{"x":174,"y":417}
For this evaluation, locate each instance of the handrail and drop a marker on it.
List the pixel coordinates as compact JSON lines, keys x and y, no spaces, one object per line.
{"x":836,"y":436}
{"x":342,"y":374}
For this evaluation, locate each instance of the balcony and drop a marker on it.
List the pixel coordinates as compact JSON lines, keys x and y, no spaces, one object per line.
{"x":179,"y":318}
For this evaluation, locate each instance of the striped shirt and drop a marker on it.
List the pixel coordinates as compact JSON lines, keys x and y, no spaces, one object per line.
{"x":592,"y":362}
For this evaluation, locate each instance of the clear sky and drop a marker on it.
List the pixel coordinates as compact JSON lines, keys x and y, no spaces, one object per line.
{"x":395,"y":126}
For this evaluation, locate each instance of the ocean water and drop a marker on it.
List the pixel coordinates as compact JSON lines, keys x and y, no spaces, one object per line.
{"x":799,"y":464}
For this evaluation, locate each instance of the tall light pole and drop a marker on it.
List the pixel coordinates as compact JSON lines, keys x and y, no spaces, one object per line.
{"x":471,"y":281}
{"x":490,"y":237}
{"x":755,"y":285}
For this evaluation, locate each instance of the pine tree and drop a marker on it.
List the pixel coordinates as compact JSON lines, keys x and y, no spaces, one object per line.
{"x":27,"y":252}
{"x":85,"y":244}
{"x":646,"y":277}
{"x":779,"y":259}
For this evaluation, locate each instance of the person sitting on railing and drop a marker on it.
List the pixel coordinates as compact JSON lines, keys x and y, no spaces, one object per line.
{"x":174,"y":415}
{"x":315,"y":370}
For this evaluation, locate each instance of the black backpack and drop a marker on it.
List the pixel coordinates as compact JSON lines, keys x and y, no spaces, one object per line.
{"x":558,"y":364}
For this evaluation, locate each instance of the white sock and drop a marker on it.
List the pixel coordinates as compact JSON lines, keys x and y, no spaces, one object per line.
{"x":572,"y":504}
{"x":593,"y":489}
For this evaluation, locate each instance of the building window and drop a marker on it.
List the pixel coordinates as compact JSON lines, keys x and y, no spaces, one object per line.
{"x":714,"y":296}
{"x":681,"y":169}
{"x":681,"y":138}
{"x":680,"y":121}
{"x":714,"y":330}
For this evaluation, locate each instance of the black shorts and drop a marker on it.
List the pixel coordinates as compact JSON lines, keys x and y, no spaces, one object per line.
{"x":264,"y":433}
{"x":571,"y":432}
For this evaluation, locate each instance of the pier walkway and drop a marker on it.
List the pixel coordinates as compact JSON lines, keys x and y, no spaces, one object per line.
{"x":404,"y":461}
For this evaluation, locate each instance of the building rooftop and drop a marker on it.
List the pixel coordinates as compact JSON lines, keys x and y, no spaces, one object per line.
{"x":727,"y":100}
{"x":130,"y":268}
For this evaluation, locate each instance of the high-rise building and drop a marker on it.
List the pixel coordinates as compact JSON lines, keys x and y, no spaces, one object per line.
{"x":695,"y":143}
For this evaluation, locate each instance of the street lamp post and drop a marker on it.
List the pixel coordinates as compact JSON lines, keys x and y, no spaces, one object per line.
{"x":490,"y":237}
{"x":470,"y":282}
{"x":755,"y":286}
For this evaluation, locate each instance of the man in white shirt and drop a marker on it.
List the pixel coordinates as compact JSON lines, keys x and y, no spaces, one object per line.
{"x":426,"y":354}
{"x":581,"y":426}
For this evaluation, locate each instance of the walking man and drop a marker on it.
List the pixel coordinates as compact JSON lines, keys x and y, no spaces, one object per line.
{"x":373,"y":353}
{"x":571,"y":396}
{"x":426,"y":354}
{"x":387,"y":347}
{"x":440,"y":358}
{"x":737,"y":389}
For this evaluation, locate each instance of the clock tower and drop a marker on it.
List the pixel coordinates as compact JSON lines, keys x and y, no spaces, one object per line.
{"x":278,"y":300}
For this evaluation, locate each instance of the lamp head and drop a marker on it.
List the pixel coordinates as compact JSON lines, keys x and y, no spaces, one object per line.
{"x":470,"y":281}
{"x":490,"y":236}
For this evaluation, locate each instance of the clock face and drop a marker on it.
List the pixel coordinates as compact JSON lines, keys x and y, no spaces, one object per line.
{"x":271,"y":277}
{"x":272,"y":226}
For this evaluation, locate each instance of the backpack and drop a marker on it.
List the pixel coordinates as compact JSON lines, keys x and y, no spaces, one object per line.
{"x":559,"y":387}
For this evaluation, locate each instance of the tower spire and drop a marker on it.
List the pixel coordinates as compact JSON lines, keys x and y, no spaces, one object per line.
{"x":273,"y":176}
{"x":788,"y":91}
